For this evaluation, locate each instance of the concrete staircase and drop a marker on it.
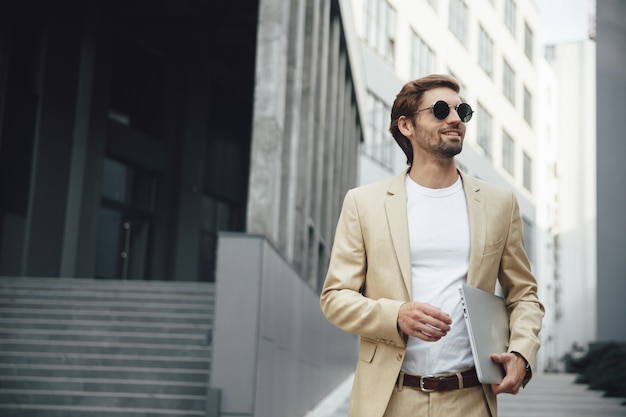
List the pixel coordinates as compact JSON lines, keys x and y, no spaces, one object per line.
{"x":105,"y":348}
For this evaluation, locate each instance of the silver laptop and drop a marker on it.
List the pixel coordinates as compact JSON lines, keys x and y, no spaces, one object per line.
{"x":488,"y":327}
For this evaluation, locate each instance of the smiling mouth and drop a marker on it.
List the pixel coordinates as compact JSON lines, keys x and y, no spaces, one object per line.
{"x":452,"y":133}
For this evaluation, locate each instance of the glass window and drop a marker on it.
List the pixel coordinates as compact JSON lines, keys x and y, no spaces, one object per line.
{"x":529,"y":237}
{"x":126,"y":185}
{"x":462,"y":87}
{"x":136,"y":94}
{"x":458,"y":19}
{"x":485,"y":52}
{"x":484,"y":122}
{"x":528,"y":106}
{"x":422,"y":58}
{"x":508,"y":153}
{"x":390,"y":44}
{"x":380,"y":27}
{"x":510,"y":15}
{"x":528,"y":172}
{"x":508,"y":82}
{"x":529,"y":40}
{"x":379,"y":144}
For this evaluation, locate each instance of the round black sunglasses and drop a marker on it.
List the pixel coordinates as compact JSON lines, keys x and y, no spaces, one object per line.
{"x":441,"y":110}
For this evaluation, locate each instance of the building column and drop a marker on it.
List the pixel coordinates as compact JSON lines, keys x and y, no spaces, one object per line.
{"x":268,"y":129}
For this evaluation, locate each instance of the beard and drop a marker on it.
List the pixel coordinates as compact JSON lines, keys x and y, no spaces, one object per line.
{"x":448,"y":150}
{"x":435,"y":144}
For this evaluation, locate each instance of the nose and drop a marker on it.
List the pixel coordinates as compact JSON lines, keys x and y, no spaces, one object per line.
{"x":453,"y":116}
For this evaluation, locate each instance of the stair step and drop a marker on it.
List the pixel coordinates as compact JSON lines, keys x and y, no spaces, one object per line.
{"x":104,"y":348}
{"x":108,"y":372}
{"x":104,"y":305}
{"x":96,"y":335}
{"x":112,"y":293}
{"x":104,"y":325}
{"x":117,"y":399}
{"x":123,"y":292}
{"x":121,"y":316}
{"x":28,"y":410}
{"x":86,"y":359}
{"x":46,"y":383}
{"x":169,"y":287}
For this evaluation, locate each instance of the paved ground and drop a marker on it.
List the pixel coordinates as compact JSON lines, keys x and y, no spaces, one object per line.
{"x":548,"y":395}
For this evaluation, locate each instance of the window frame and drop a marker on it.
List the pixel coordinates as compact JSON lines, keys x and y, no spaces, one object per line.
{"x":485,"y":51}
{"x":508,"y":153}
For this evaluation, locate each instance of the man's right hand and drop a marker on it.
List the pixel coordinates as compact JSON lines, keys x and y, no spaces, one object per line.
{"x":423,"y":321}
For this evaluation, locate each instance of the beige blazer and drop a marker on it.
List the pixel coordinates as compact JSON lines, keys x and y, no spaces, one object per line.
{"x":369,"y":278}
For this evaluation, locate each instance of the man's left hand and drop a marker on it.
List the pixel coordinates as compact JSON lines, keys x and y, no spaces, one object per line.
{"x":514,"y":369}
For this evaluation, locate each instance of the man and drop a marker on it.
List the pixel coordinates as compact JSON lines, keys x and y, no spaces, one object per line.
{"x":401,"y":249}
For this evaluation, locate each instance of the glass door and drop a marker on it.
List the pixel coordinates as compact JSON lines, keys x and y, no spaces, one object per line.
{"x":125,"y":221}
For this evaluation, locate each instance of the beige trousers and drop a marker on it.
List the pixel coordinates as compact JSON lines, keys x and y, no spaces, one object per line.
{"x":411,"y":402}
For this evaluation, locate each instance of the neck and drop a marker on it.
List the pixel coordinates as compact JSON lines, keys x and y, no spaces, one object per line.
{"x":439,"y":174}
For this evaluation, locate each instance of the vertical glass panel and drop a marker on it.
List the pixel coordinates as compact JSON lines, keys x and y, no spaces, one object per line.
{"x":143,"y":191}
{"x":109,"y":239}
{"x":529,"y":40}
{"x":138,"y":234}
{"x":529,"y":237}
{"x":484,"y":122}
{"x":528,"y":170}
{"x":485,"y":52}
{"x":137,"y":82}
{"x":114,"y":180}
{"x":508,"y":82}
{"x":528,"y":106}
{"x":508,"y":153}
{"x":510,"y":15}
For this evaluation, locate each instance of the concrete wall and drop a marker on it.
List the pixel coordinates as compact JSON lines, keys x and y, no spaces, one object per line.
{"x":569,"y":290}
{"x":274,"y":354}
{"x":305,"y":129}
{"x":611,"y":149}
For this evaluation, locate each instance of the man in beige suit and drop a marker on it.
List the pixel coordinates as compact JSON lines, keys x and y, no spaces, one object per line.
{"x":401,"y":249}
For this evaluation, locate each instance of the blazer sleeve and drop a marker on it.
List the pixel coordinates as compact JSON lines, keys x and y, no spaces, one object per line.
{"x":342,"y":300}
{"x":520,"y":290}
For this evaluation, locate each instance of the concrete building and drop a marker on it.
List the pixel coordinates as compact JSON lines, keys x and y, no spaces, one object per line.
{"x":570,"y":124}
{"x":177,"y":142}
{"x":610,"y":32}
{"x":548,"y":215}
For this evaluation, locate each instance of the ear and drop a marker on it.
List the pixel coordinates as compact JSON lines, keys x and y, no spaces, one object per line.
{"x":405,"y":125}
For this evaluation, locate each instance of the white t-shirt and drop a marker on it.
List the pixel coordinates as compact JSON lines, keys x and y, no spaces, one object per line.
{"x":440,"y":246}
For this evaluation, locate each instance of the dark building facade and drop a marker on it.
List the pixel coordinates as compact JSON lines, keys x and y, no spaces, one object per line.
{"x":121,"y":123}
{"x":127,"y":137}
{"x":133,"y":133}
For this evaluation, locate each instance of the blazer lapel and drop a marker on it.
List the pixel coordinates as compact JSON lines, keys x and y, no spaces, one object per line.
{"x":395,"y":206}
{"x":478,"y":223}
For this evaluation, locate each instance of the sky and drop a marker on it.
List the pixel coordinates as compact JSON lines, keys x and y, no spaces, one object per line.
{"x":563,"y":20}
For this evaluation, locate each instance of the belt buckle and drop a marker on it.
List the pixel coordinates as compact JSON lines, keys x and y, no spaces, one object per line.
{"x":422,"y":383}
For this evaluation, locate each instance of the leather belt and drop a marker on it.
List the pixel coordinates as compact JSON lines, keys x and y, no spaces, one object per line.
{"x":443,"y":382}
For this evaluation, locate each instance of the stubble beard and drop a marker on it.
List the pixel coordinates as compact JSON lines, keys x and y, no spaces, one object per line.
{"x":442,"y":149}
{"x":449,"y":150}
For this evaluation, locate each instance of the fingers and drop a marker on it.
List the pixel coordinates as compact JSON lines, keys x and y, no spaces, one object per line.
{"x":508,"y":385}
{"x":515,"y":370}
{"x":423,"y":321}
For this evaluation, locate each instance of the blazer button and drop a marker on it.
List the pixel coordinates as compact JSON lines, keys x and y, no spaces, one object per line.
{"x":399,"y":356}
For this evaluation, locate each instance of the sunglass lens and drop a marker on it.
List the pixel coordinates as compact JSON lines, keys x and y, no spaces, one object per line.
{"x":465,"y":112}
{"x":441,"y":110}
